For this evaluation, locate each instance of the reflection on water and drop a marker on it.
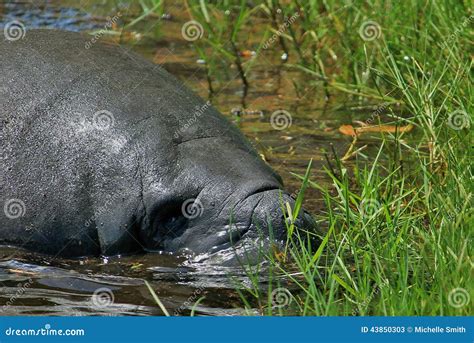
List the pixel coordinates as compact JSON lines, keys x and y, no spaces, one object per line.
{"x":33,"y":284}
{"x":38,"y":14}
{"x":40,"y":285}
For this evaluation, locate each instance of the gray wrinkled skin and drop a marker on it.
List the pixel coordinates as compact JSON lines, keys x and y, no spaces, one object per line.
{"x":114,"y":182}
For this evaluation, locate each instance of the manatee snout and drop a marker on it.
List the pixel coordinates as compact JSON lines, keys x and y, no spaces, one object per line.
{"x":268,"y":216}
{"x":263,"y":224}
{"x":243,"y":223}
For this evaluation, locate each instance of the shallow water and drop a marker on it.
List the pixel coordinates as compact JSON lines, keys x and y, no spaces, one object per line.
{"x":34,"y":285}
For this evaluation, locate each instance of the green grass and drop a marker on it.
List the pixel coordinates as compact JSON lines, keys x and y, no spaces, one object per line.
{"x":391,"y":249}
{"x":398,"y":224}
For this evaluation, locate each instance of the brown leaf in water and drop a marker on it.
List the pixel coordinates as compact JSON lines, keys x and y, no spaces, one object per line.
{"x":350,"y":130}
{"x":347,"y":130}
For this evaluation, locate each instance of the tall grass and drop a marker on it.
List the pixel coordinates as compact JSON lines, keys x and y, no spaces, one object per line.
{"x":396,"y":244}
{"x":398,"y":225}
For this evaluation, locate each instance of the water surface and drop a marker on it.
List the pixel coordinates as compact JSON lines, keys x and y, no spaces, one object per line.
{"x":33,"y":284}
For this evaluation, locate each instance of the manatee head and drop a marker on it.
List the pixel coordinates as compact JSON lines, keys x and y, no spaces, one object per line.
{"x":223,"y":199}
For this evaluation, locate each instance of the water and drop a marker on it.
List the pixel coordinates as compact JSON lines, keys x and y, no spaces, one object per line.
{"x":32,"y":284}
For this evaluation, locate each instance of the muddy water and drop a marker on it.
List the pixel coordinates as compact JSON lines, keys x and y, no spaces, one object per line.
{"x":34,"y":285}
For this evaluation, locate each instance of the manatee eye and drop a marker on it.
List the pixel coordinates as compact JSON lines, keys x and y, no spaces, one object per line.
{"x":174,"y":224}
{"x":170,"y":223}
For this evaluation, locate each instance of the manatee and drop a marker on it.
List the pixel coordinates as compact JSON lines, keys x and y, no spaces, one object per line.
{"x":106,"y":153}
